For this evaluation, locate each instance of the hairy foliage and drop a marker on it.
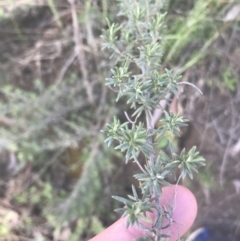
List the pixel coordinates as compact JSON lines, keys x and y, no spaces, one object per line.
{"x":138,"y":76}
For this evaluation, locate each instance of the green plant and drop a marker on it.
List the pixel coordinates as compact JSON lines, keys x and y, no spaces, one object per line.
{"x":136,"y":44}
{"x":229,"y":81}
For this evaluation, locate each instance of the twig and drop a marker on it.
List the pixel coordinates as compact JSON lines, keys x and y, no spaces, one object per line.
{"x":128,"y":118}
{"x":158,"y":112}
{"x":90,"y":36}
{"x":140,"y":166}
{"x":80,"y":52}
{"x":226,"y":153}
{"x":194,"y":86}
{"x":65,"y":67}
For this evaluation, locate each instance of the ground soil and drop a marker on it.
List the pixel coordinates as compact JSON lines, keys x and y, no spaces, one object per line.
{"x":214,"y":129}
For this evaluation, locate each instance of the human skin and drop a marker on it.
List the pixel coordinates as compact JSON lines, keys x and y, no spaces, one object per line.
{"x":184,"y":214}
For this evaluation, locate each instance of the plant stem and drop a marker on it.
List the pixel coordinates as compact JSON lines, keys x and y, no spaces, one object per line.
{"x":152,"y":161}
{"x":149,"y":128}
{"x":140,"y":166}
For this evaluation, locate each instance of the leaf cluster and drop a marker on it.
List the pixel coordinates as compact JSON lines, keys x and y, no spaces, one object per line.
{"x":138,"y":40}
{"x":135,"y":208}
{"x":131,"y":140}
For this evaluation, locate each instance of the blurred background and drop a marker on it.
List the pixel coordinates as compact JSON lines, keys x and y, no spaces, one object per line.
{"x":56,"y":174}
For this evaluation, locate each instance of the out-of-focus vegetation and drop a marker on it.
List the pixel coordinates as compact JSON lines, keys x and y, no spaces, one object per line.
{"x":57,"y":178}
{"x":53,"y":105}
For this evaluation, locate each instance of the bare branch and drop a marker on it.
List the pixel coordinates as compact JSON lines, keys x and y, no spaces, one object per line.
{"x":65,"y":67}
{"x":194,"y":86}
{"x":158,"y":112}
{"x":78,"y":40}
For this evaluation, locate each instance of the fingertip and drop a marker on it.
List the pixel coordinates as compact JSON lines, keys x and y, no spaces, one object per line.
{"x":184,"y":207}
